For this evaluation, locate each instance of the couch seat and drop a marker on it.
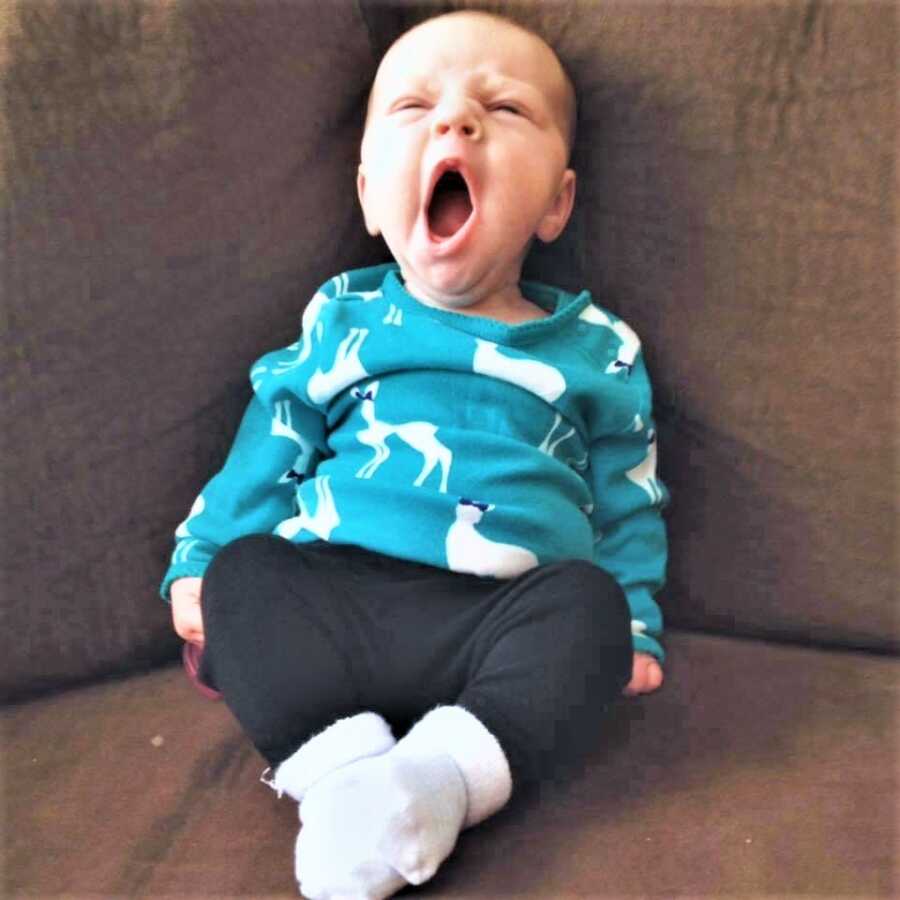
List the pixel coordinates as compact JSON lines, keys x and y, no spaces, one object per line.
{"x":758,"y":769}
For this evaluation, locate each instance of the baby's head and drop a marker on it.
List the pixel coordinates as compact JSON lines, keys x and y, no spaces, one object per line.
{"x":465,"y":154}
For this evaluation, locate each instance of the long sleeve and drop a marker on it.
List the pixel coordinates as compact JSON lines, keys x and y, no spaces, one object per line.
{"x":277,"y":442}
{"x":629,"y":532}
{"x":280,"y":441}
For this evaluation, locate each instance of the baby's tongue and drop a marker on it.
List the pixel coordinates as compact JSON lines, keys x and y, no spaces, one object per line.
{"x":449,"y":211}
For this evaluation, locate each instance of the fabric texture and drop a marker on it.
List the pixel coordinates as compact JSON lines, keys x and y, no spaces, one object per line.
{"x":452,"y":440}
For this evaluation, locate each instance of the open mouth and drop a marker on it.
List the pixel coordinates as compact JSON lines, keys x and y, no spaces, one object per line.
{"x":450,"y":205}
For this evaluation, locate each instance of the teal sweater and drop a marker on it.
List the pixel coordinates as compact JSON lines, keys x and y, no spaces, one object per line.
{"x":447,"y":439}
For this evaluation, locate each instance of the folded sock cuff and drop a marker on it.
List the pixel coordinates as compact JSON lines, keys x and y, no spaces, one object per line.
{"x":341,"y":743}
{"x":476,"y":752}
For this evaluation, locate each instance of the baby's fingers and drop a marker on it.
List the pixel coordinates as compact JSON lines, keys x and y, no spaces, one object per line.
{"x":188,"y":623}
{"x":654,"y":676}
{"x":647,"y":676}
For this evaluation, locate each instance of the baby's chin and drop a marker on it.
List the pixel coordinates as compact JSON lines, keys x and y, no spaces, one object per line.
{"x":454,"y":294}
{"x":453,"y":286}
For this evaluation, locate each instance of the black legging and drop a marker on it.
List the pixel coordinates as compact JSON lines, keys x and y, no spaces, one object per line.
{"x":299,"y":635}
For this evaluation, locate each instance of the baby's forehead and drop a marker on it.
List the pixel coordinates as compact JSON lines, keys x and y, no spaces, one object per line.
{"x":486,"y":51}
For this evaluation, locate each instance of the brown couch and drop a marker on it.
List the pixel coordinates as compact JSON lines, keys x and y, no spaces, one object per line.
{"x":178,"y":177}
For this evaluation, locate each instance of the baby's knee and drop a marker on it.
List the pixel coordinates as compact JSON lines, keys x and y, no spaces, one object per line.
{"x":242,"y":560}
{"x":597,"y":596}
{"x":584,"y":578}
{"x":601,"y":608}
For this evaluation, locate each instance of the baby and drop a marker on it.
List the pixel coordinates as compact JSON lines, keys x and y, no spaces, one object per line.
{"x":440,"y":516}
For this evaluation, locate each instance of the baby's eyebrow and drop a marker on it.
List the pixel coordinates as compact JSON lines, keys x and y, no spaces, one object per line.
{"x":491,"y":84}
{"x":386,"y":98}
{"x":416,"y":83}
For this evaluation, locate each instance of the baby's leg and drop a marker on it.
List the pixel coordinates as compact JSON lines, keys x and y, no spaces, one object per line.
{"x":277,"y":646}
{"x":548,"y":659}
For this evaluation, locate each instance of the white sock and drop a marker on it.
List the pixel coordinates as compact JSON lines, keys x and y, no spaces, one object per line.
{"x":341,"y":743}
{"x":374,"y":825}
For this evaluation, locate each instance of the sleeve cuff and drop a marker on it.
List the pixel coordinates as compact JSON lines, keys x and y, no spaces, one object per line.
{"x":184,"y":570}
{"x":643,"y":643}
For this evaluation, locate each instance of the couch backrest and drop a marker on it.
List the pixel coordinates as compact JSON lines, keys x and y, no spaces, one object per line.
{"x":178,"y":177}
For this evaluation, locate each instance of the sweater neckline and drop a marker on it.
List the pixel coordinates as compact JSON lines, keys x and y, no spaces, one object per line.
{"x":562,"y":306}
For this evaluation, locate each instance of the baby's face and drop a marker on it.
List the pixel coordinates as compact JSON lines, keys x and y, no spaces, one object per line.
{"x":479,"y":97}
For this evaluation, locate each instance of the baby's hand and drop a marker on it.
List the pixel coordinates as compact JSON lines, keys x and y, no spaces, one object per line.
{"x":646,"y":675}
{"x":187,"y":617}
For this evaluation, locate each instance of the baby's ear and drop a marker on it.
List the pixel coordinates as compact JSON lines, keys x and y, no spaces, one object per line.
{"x":554,"y":221}
{"x":371,"y":225}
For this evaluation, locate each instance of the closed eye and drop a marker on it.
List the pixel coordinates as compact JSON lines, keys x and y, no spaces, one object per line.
{"x":506,"y":107}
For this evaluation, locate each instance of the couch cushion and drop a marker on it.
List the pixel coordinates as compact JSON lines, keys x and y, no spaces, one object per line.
{"x":758,"y":769}
{"x":178,"y":177}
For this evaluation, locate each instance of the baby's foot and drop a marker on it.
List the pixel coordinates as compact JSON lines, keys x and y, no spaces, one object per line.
{"x":373,"y":826}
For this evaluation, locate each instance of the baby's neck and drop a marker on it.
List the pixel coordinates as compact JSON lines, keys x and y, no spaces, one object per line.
{"x":524,"y":313}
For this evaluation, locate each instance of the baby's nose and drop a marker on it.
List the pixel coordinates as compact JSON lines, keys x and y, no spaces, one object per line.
{"x":459,"y":118}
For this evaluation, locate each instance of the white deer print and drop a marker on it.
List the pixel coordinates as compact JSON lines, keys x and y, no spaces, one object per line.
{"x":282,"y":426}
{"x":326,"y":517}
{"x":346,"y":369}
{"x":550,"y":449}
{"x":644,"y":473}
{"x":628,"y":349}
{"x":341,"y":283}
{"x":421,"y":436}
{"x":258,"y":372}
{"x":184,"y":546}
{"x":469,"y":551}
{"x":367,"y":296}
{"x":531,"y":374}
{"x":546,"y":446}
{"x":310,"y":320}
{"x":198,"y":506}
